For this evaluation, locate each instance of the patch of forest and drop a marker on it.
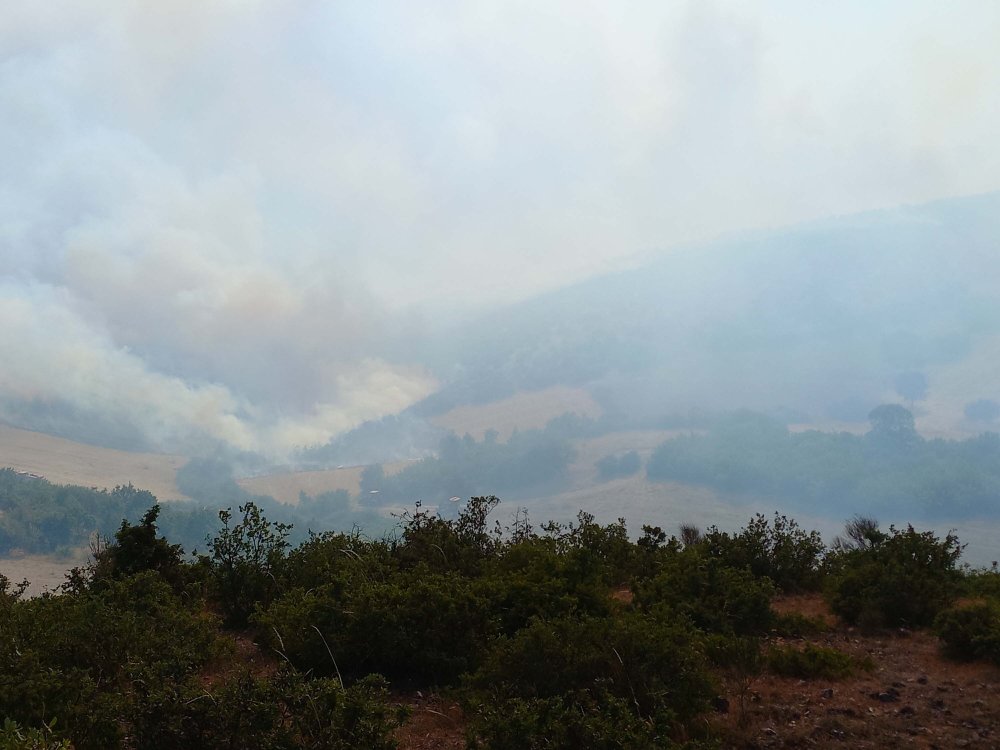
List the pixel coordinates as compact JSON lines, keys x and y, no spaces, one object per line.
{"x":889,"y":470}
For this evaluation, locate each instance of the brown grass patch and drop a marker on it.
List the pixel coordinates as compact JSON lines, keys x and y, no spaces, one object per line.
{"x":524,"y":411}
{"x":64,"y":461}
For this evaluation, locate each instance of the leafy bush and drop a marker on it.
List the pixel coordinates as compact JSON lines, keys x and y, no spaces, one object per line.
{"x":423,"y":626}
{"x":714,"y":597}
{"x":902,"y":578}
{"x":780,"y":550}
{"x":654,"y":667}
{"x":811,"y":662}
{"x":245,"y":557}
{"x":14,"y":737}
{"x":798,"y":625}
{"x":280,"y":712}
{"x":971,"y":631}
{"x":568,"y":722}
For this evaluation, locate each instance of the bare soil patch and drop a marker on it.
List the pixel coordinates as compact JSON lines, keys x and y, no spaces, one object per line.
{"x":914,"y":698}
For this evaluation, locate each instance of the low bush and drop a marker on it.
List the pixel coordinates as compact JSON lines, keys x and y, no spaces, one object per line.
{"x":971,"y":631}
{"x":656,"y":669}
{"x":798,"y":625}
{"x":900,"y":578}
{"x":711,"y":595}
{"x":811,"y":662}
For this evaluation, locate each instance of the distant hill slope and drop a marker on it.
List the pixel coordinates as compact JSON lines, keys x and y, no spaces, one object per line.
{"x":64,"y":461}
{"x":817,"y":319}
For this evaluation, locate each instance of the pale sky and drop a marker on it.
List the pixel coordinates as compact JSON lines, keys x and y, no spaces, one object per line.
{"x":212,"y":212}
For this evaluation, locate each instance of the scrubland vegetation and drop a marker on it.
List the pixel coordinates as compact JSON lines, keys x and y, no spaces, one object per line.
{"x":565,"y":636}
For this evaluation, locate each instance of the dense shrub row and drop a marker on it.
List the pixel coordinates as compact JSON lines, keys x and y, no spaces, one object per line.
{"x":568,"y":636}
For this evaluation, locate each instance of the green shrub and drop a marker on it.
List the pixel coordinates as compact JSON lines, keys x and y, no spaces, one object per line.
{"x":716,"y":598}
{"x":780,"y":550}
{"x":245,"y":558}
{"x":811,"y":662}
{"x":971,"y":631}
{"x":280,"y":712}
{"x":798,"y":625}
{"x":656,"y":668}
{"x":901,"y":578}
{"x":981,"y":584}
{"x":14,"y":737}
{"x":421,"y":626}
{"x":568,"y":722}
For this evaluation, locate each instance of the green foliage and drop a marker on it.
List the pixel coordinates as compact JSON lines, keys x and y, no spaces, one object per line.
{"x":420,"y":625}
{"x":465,"y":467}
{"x":971,"y":631}
{"x":77,"y":656}
{"x":889,"y":470}
{"x":137,"y":549}
{"x":568,"y":722}
{"x":797,"y":625}
{"x":533,"y":631}
{"x":280,"y":712}
{"x":900,"y":578}
{"x":713,"y":596}
{"x":811,"y":662}
{"x":244,"y":558}
{"x":602,"y":669}
{"x":14,"y":737}
{"x":780,"y":550}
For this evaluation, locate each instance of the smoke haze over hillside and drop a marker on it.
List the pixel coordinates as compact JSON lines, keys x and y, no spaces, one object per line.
{"x":231,"y":223}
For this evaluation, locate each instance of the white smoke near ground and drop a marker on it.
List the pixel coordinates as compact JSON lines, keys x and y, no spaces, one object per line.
{"x":213,"y":215}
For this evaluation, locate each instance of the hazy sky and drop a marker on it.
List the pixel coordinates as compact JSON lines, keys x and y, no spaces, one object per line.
{"x":211,"y":212}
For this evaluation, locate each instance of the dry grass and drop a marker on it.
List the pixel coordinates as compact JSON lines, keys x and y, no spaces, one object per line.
{"x":524,"y":411}
{"x":286,"y":487}
{"x":64,"y":461}
{"x":44,"y":572}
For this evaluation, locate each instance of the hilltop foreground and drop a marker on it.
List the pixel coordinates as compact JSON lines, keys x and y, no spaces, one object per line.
{"x":455,"y":633}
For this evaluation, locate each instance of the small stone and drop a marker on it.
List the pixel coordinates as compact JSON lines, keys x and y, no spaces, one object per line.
{"x":887,"y":697}
{"x":828,"y":693}
{"x":907,"y":711}
{"x":720,"y":704}
{"x":922,"y":679}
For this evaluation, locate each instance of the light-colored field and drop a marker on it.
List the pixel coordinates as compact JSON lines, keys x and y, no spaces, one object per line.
{"x":43,"y":572}
{"x":524,"y":411}
{"x":583,"y":471}
{"x":286,"y":487}
{"x":64,"y":461}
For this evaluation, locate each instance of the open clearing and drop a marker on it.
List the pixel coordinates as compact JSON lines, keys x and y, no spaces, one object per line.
{"x":524,"y":411}
{"x":286,"y":487}
{"x":43,"y":572}
{"x":64,"y":461}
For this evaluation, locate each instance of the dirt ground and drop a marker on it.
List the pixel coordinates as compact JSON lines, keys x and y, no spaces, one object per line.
{"x":914,"y":698}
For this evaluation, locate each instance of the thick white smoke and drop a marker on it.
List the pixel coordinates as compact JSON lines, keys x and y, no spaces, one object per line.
{"x":212,"y":213}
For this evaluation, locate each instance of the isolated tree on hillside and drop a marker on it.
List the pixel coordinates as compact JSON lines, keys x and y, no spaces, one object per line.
{"x":893,"y":424}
